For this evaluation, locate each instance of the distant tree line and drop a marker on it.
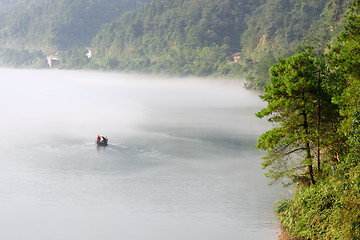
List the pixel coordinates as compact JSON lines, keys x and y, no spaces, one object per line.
{"x":177,"y":37}
{"x":198,"y":37}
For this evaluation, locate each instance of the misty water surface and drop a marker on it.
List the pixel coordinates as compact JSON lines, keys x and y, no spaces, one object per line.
{"x":180,"y":164}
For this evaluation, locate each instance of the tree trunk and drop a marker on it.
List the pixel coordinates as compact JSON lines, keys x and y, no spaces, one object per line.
{"x":309,"y":163}
{"x":318,"y":137}
{"x":308,"y":160}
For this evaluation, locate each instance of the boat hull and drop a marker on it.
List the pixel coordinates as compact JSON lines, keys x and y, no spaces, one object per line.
{"x":101,"y":144}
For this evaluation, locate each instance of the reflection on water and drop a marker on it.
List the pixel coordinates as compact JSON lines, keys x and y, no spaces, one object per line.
{"x":180,"y":164}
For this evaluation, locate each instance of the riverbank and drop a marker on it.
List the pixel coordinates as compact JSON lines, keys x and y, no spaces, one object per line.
{"x":285,"y":236}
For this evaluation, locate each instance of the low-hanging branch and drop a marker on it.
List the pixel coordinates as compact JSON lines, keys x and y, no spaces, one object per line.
{"x":295,"y":150}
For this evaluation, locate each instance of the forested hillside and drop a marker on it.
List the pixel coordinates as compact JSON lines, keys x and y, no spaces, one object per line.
{"x":200,"y":37}
{"x":34,"y":28}
{"x":281,"y":27}
{"x":183,"y":37}
{"x":178,"y":37}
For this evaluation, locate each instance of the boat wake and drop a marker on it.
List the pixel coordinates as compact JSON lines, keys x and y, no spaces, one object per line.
{"x":90,"y":148}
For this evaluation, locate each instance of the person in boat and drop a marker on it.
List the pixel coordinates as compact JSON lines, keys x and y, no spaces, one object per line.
{"x":98,"y":139}
{"x":104,"y":139}
{"x":101,"y":140}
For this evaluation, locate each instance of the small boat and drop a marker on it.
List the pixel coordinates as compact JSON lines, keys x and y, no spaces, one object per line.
{"x":101,"y":143}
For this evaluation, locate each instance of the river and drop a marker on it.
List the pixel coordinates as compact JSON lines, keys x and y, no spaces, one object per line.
{"x":180,"y":164}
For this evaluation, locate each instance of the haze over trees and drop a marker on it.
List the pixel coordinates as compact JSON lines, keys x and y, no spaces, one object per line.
{"x":178,"y":37}
{"x":198,"y":37}
{"x":30,"y":30}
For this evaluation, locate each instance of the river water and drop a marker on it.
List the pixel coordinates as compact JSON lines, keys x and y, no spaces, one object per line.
{"x":180,"y":164}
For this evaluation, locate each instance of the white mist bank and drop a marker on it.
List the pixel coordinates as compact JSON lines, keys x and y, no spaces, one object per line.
{"x":37,"y":104}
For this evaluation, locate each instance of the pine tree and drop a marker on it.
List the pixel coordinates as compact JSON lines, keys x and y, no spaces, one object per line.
{"x":299,"y":106}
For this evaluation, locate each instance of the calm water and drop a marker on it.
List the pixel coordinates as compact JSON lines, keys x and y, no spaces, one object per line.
{"x":180,"y":165}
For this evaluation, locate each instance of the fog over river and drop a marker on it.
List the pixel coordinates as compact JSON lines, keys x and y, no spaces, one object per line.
{"x":180,"y":165}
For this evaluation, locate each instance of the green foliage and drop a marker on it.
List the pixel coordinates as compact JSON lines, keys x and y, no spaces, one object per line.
{"x":74,"y":58}
{"x":48,"y":25}
{"x":164,"y":35}
{"x":260,"y":75}
{"x":330,"y":209}
{"x":169,"y":33}
{"x":280,"y":26}
{"x":344,"y":56}
{"x":22,"y":59}
{"x":299,"y":106}
{"x":177,"y":37}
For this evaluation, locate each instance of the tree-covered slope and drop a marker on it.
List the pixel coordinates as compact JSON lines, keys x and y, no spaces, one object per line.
{"x":200,"y":36}
{"x":184,"y":37}
{"x":51,"y":25}
{"x":280,"y":27}
{"x":177,"y":36}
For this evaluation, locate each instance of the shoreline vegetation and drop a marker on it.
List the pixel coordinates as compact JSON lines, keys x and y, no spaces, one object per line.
{"x":314,"y":105}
